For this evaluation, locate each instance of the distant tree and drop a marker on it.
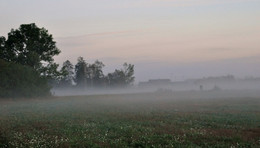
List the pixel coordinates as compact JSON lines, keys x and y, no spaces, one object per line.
{"x":96,"y":74}
{"x":128,"y":73}
{"x":81,"y":72}
{"x":31,"y":46}
{"x":89,"y":75}
{"x":116,"y":78}
{"x":67,"y":74}
{"x":122,"y":77}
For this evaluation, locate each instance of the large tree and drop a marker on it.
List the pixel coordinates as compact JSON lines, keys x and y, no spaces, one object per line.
{"x":29,"y":45}
{"x":27,"y":62}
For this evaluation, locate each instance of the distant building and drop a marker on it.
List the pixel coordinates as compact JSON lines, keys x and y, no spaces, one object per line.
{"x":203,"y":84}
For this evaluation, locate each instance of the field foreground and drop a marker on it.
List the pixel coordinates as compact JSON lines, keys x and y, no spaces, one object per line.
{"x":131,"y":120}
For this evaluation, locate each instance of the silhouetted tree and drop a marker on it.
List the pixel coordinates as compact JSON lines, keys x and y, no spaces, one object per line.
{"x":67,"y":74}
{"x":128,"y":73}
{"x":96,"y":74}
{"x":81,"y":72}
{"x":27,"y":62}
{"x":89,"y":75}
{"x":17,"y":80}
{"x":116,"y":78}
{"x":51,"y":73}
{"x":2,"y":48}
{"x":122,"y":77}
{"x":31,"y":46}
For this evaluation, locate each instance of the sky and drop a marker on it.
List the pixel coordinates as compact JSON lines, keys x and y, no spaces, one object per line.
{"x":176,"y":39}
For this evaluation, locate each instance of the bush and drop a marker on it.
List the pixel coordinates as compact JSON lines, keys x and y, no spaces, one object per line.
{"x":21,"y":81}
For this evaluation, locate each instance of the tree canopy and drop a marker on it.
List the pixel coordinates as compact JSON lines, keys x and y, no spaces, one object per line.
{"x":29,"y":45}
{"x":27,"y":62}
{"x":91,"y":75}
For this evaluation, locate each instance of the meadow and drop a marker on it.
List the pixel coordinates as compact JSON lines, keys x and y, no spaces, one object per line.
{"x":131,"y":120}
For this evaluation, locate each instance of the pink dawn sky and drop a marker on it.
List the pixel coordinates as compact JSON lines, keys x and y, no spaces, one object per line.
{"x":174,"y":39}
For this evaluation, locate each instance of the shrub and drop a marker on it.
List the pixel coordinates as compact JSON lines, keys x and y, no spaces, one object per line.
{"x":21,"y":81}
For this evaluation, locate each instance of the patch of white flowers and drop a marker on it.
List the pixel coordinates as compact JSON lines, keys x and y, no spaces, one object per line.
{"x":36,"y":141}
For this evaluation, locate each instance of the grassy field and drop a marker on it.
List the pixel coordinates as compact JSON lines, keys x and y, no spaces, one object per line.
{"x":130,"y":120}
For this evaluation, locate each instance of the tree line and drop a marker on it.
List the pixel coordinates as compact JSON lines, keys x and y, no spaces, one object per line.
{"x":27,"y":67}
{"x":87,"y":75}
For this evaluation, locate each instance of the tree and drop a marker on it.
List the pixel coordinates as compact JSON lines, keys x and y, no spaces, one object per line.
{"x":30,"y":46}
{"x":51,"y":73}
{"x":67,"y":74}
{"x":89,"y":75}
{"x":21,"y":81}
{"x":81,"y":72}
{"x":122,"y":77}
{"x":27,"y":63}
{"x":128,"y":73}
{"x":116,"y":78}
{"x":96,"y":73}
{"x":2,"y":48}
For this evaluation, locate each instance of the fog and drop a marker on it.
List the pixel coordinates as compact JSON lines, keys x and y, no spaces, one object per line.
{"x":207,"y":87}
{"x":130,"y":73}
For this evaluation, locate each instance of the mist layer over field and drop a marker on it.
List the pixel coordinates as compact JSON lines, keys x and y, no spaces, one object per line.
{"x":199,"y":87}
{"x":159,"y":119}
